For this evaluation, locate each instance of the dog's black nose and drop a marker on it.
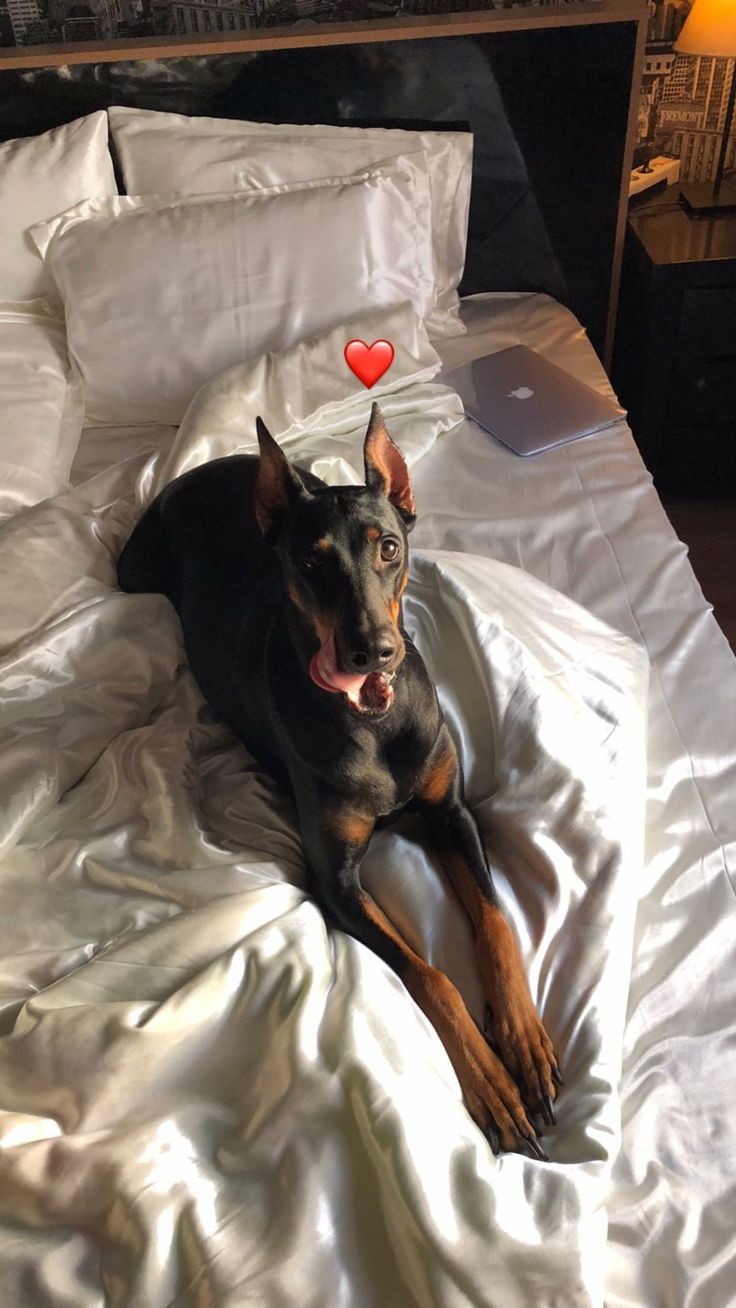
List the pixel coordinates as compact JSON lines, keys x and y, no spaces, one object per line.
{"x":386,"y":651}
{"x":369,"y":656}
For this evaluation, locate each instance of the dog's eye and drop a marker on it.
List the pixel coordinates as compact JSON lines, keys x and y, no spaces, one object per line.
{"x":389,"y":549}
{"x":315,"y":558}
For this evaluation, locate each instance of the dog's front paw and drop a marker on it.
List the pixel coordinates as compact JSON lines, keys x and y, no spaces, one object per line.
{"x":489,"y":1090}
{"x":527,"y":1051}
{"x":492,"y":1097}
{"x":517,"y":1032}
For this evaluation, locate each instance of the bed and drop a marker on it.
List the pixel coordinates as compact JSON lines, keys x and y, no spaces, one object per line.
{"x":205,"y":1096}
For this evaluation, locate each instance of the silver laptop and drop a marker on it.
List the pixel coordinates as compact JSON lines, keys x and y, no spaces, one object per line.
{"x":528,"y":403}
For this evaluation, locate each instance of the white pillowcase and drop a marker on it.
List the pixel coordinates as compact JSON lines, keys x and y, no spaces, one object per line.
{"x":162,"y":294}
{"x":40,"y":407}
{"x":193,"y":156}
{"x":40,"y":176}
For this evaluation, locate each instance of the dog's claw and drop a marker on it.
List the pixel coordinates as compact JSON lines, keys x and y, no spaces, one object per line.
{"x":493,"y":1140}
{"x":556,"y":1074}
{"x":548,"y":1111}
{"x":535,"y":1149}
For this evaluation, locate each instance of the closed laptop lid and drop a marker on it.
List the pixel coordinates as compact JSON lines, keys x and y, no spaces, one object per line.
{"x":528,"y":403}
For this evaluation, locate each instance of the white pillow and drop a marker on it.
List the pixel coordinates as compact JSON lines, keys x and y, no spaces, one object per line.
{"x":193,"y":156}
{"x":161,"y":294}
{"x":40,"y":176}
{"x":40,"y":407}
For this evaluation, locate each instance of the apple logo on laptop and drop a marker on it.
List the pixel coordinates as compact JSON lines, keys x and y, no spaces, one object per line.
{"x":521,"y":393}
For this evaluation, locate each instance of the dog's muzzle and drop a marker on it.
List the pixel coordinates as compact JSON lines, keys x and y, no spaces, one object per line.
{"x":370,"y":693}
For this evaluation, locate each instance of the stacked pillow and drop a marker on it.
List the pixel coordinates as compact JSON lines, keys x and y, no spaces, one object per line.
{"x":162,"y":294}
{"x":237,"y":239}
{"x":39,"y":177}
{"x":40,"y":408}
{"x":197,"y":156}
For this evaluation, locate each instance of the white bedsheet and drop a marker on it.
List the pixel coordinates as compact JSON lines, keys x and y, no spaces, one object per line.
{"x":219,"y":1099}
{"x":584,"y":519}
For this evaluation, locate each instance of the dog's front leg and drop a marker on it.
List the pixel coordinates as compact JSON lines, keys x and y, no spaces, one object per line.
{"x":335,"y":839}
{"x":523,"y":1043}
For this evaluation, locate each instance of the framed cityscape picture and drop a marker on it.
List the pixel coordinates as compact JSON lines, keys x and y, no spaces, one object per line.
{"x":683,"y":98}
{"x":45,"y":31}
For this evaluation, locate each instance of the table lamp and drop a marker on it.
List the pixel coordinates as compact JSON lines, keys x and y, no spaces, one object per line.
{"x":710,"y":29}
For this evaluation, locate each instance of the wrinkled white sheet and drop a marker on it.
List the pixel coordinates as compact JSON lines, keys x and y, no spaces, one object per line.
{"x":586,"y":519}
{"x":208,"y":1098}
{"x":316,"y":405}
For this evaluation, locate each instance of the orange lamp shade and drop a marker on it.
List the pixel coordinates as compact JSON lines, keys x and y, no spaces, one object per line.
{"x":710,"y":29}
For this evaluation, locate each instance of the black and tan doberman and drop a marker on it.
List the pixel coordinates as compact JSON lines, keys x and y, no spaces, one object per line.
{"x":289,"y":594}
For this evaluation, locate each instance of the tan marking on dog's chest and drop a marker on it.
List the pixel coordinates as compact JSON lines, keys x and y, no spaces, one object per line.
{"x":436,"y":781}
{"x":350,"y":826}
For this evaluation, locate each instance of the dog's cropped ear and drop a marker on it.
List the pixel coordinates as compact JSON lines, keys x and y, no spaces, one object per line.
{"x":278,"y":486}
{"x":385,"y":469}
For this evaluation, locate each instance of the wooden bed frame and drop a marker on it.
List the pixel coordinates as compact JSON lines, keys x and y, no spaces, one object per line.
{"x":569,"y":78}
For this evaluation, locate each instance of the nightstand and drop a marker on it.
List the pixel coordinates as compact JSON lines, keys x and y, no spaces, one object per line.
{"x":674,"y":362}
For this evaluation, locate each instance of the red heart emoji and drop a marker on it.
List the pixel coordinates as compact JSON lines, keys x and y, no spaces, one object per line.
{"x":369,"y":362}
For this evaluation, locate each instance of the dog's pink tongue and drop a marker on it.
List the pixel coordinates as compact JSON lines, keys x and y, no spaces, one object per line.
{"x":325,"y":673}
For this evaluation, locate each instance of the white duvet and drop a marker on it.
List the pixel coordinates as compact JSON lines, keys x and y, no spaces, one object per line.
{"x":206,"y":1097}
{"x":40,"y":406}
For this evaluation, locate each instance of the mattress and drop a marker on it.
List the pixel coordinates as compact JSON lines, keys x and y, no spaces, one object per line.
{"x":584,"y":520}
